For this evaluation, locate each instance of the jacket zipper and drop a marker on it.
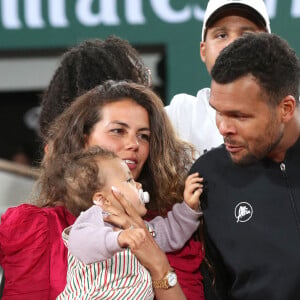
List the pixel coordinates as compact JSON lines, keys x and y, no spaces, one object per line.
{"x":290,"y":190}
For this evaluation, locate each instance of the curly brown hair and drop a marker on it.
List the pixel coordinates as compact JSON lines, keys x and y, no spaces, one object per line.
{"x":85,"y":66}
{"x":73,"y":178}
{"x":169,"y":159}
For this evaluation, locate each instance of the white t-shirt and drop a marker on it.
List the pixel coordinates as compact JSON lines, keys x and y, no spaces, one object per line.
{"x":194,"y":120}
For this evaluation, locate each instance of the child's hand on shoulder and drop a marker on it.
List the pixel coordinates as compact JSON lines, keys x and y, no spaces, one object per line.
{"x":192,"y":191}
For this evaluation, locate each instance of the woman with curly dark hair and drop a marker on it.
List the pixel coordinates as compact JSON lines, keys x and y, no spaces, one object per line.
{"x":43,"y":275}
{"x":128,"y":119}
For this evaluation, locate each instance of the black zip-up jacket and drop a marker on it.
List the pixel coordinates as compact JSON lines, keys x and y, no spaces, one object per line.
{"x":252,"y":226}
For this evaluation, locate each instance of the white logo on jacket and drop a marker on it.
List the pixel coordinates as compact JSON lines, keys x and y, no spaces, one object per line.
{"x":243,"y":212}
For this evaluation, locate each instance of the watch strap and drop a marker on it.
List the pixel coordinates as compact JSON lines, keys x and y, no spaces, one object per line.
{"x":164,"y":282}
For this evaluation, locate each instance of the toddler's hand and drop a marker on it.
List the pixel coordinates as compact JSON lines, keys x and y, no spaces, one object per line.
{"x":132,"y":238}
{"x":192,"y":191}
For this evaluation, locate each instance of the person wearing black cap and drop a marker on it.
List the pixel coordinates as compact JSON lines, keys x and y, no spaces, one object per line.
{"x":224,"y":21}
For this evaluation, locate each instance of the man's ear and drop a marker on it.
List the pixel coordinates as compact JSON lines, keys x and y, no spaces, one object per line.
{"x":202,"y":51}
{"x":287,"y":108}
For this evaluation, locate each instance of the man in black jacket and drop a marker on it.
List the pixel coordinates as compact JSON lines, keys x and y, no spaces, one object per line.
{"x":251,"y":202}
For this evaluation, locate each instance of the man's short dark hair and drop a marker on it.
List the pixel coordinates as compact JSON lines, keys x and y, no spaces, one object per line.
{"x":267,"y":57}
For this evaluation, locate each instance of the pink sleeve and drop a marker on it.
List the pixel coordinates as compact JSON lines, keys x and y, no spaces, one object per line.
{"x":92,"y":240}
{"x":174,"y":231}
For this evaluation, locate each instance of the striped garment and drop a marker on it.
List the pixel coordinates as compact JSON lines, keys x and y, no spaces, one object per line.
{"x":118,"y":278}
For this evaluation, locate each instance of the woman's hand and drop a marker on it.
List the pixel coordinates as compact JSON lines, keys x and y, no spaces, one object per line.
{"x":129,"y":218}
{"x":148,"y":252}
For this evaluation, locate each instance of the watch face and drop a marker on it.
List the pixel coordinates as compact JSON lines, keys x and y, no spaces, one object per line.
{"x":172,"y":279}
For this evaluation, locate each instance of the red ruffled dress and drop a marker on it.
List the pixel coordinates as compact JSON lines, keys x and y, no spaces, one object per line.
{"x":34,"y":258}
{"x":32,"y":252}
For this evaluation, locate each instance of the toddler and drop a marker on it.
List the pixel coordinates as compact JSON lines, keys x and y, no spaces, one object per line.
{"x":100,"y":262}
